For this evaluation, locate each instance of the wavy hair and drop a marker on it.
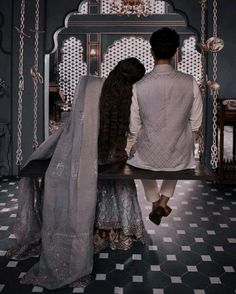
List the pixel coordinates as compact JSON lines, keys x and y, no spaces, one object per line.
{"x":115,"y":104}
{"x":164,"y":43}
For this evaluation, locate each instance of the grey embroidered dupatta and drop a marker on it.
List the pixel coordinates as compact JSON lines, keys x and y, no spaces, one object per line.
{"x":69,"y":197}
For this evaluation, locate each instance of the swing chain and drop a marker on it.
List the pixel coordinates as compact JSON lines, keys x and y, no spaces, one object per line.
{"x":19,"y":156}
{"x":215,"y":18}
{"x":203,"y":20}
{"x":203,"y":81}
{"x":214,"y":148}
{"x":203,"y":33}
{"x":37,"y":78}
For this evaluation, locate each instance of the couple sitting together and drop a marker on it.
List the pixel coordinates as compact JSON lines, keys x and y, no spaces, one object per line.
{"x":146,"y":120}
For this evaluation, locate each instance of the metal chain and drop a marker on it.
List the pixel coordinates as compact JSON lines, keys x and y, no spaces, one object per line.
{"x":35,"y":74}
{"x":203,"y":20}
{"x":19,"y":157}
{"x":214,"y":18}
{"x":203,"y":81}
{"x":214,"y":148}
{"x":203,"y":33}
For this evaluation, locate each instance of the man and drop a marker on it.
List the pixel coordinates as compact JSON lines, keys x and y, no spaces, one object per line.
{"x":166,"y":110}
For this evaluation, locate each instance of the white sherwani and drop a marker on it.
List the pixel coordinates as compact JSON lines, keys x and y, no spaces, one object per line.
{"x":166,"y":109}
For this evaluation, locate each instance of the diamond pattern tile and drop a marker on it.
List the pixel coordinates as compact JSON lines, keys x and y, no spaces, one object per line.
{"x":193,"y":250}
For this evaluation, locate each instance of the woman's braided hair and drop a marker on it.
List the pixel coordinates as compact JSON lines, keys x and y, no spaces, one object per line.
{"x":115,"y":104}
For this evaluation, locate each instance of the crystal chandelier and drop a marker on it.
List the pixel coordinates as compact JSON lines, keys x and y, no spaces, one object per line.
{"x":128,"y":7}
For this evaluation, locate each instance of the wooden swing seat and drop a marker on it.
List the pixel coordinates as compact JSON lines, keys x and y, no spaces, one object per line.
{"x":37,"y":168}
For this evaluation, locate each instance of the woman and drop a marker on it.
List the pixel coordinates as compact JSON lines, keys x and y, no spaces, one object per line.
{"x":122,"y":223}
{"x":62,"y":228}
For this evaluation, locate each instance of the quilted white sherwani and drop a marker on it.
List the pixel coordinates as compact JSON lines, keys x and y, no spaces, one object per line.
{"x":166,"y":109}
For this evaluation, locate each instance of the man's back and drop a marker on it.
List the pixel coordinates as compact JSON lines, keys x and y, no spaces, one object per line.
{"x":164,"y":98}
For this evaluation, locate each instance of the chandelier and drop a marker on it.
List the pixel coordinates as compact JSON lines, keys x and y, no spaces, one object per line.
{"x":128,"y":7}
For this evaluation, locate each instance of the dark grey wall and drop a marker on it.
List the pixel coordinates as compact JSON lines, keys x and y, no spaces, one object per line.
{"x":52,"y":16}
{"x":5,"y":73}
{"x":227,"y":57}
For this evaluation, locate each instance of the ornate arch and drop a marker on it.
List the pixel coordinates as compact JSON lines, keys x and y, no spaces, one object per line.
{"x":110,"y":38}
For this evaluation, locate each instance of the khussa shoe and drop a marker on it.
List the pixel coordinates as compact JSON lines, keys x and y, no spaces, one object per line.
{"x":167,"y":209}
{"x":158,"y":212}
{"x":156,"y":215}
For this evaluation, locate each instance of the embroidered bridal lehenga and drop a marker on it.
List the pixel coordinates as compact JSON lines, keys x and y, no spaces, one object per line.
{"x":121,"y":224}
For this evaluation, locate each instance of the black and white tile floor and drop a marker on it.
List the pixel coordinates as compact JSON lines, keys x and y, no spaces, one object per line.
{"x":192,"y":251}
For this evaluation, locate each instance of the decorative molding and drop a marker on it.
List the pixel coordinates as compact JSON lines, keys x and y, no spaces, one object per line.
{"x":131,"y":23}
{"x":147,"y":23}
{"x":3,"y":87}
{"x":1,"y":35}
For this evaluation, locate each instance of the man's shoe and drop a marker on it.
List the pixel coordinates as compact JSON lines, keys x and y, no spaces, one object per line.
{"x":167,"y":209}
{"x":156,"y":215}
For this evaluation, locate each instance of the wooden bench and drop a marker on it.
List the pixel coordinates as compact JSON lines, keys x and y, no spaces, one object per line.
{"x":37,"y":168}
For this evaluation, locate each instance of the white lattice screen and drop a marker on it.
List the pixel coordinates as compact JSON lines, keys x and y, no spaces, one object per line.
{"x":71,"y":68}
{"x":140,"y":48}
{"x":191,"y":59}
{"x":83,"y":8}
{"x":158,"y":7}
{"x":124,"y":48}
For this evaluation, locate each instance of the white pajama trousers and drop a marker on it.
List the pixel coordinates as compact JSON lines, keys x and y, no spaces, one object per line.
{"x":152,"y":191}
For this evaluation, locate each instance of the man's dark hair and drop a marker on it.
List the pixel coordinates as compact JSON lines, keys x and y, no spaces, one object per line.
{"x":164,"y":43}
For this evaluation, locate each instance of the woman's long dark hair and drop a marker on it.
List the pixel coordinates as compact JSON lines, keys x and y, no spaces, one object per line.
{"x":115,"y":104}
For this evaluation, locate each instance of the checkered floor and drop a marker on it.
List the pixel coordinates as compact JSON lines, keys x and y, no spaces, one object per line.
{"x":192,"y":251}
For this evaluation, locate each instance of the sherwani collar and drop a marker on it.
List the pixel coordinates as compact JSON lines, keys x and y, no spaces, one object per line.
{"x":163,"y":68}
